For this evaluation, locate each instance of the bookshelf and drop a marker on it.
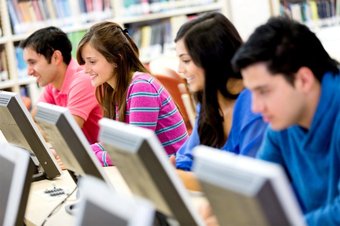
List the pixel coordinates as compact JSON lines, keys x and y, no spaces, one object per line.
{"x":321,"y":16}
{"x":20,"y":18}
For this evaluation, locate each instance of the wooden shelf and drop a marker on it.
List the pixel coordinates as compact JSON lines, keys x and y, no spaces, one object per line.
{"x":169,"y":13}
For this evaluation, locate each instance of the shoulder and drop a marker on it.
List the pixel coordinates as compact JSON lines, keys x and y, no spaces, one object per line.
{"x":80,"y":78}
{"x":244,"y":99}
{"x":144,"y":82}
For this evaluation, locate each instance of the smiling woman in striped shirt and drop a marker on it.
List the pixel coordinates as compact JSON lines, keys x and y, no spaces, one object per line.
{"x":125,"y":89}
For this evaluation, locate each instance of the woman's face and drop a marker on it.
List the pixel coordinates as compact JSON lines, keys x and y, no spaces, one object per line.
{"x":193,"y":73}
{"x":96,"y":65}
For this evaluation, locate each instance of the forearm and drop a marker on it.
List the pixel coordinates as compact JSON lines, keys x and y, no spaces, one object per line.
{"x":101,"y":154}
{"x":189,"y":180}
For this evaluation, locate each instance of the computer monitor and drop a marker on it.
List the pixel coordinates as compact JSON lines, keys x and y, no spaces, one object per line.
{"x":142,"y":161}
{"x":19,"y":129}
{"x":107,"y":207}
{"x":16,"y":171}
{"x":245,"y":191}
{"x":69,"y":141}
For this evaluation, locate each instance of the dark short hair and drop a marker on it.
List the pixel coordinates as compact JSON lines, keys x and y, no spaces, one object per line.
{"x":46,"y":40}
{"x":285,"y":46}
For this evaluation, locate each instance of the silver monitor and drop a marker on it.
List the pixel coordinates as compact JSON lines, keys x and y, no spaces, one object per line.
{"x":16,"y":171}
{"x":245,"y":191}
{"x":19,"y":129}
{"x":68,"y":140}
{"x":100,"y":205}
{"x":143,"y":163}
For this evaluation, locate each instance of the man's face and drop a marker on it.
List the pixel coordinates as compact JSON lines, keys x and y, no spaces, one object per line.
{"x":38,"y":67}
{"x":280,"y":103}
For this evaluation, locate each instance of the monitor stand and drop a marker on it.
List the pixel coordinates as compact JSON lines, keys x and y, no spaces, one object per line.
{"x":38,"y":174}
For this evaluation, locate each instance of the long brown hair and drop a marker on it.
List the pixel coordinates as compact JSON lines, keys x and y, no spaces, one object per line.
{"x":114,"y":43}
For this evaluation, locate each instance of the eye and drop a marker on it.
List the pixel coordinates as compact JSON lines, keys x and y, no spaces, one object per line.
{"x":263,"y":92}
{"x":186,"y":61}
{"x":31,"y":63}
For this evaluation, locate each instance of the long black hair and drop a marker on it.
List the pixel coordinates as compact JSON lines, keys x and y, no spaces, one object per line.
{"x":211,"y":41}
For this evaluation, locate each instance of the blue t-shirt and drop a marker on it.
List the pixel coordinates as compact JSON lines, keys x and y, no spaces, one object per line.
{"x":311,"y":158}
{"x":245,"y":136}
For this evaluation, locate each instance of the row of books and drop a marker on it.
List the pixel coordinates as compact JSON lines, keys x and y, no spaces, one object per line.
{"x":157,"y":38}
{"x":25,"y":15}
{"x":312,"y":12}
{"x":140,"y":7}
{"x":153,"y":40}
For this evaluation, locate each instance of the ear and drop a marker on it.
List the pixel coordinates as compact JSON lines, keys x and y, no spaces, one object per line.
{"x":305,"y":79}
{"x":57,"y":57}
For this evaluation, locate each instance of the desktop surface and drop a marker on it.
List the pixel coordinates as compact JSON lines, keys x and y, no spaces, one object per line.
{"x":39,"y":206}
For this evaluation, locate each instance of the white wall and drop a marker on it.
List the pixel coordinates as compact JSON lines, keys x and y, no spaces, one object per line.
{"x":246,"y":15}
{"x":330,"y":38}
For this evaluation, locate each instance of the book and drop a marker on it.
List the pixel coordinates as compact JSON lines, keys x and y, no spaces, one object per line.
{"x":37,"y":10}
{"x":146,"y":33}
{"x":21,"y":65}
{"x":3,"y":65}
{"x":13,"y":16}
{"x":51,"y":9}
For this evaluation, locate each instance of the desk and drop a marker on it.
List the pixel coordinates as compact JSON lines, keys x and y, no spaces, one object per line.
{"x":40,"y":205}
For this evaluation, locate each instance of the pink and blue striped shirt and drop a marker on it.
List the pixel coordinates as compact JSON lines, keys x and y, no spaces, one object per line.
{"x":149,"y":105}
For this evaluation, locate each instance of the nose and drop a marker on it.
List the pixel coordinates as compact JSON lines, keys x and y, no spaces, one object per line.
{"x":30,"y":70}
{"x":257,"y":105}
{"x":87,"y":68}
{"x":181,"y":68}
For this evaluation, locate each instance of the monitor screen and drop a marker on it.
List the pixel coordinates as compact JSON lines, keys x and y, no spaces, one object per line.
{"x":245,"y":191}
{"x":68,"y":140}
{"x":141,"y":160}
{"x":19,"y":129}
{"x":107,"y":207}
{"x":16,"y":174}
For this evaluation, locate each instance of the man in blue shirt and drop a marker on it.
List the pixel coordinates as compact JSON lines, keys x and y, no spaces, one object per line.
{"x":295,"y":85}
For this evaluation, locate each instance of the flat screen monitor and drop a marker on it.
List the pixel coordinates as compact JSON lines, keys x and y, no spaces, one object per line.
{"x":19,"y":129}
{"x":107,"y":207}
{"x":245,"y":191}
{"x":68,"y":140}
{"x":16,"y":171}
{"x":143,"y":163}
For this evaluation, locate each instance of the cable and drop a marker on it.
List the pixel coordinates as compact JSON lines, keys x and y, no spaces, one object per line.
{"x":55,"y":209}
